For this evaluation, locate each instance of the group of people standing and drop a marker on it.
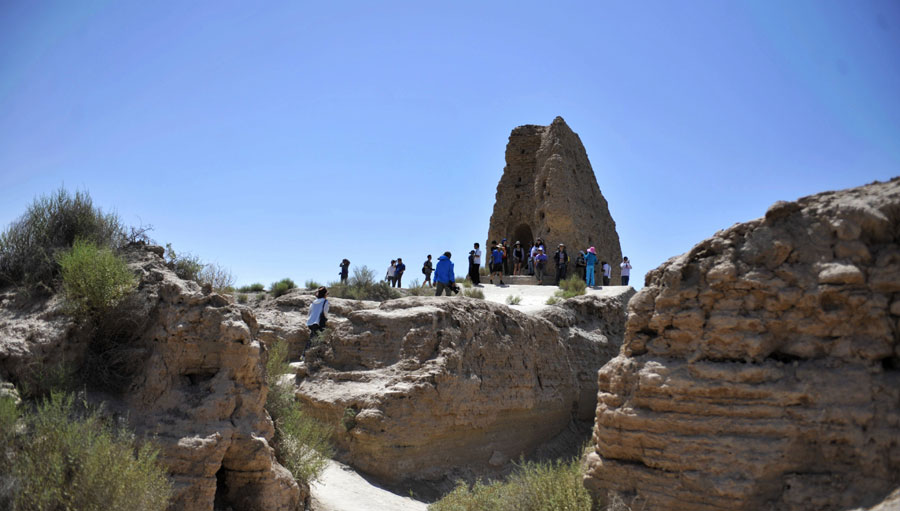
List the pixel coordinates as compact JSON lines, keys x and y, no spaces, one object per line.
{"x":505,"y":260}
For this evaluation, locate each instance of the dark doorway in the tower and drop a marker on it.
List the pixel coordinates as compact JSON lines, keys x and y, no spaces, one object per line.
{"x":523,"y":234}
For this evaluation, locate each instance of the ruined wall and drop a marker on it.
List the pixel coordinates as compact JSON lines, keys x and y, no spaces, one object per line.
{"x":549,"y":190}
{"x":761,"y":370}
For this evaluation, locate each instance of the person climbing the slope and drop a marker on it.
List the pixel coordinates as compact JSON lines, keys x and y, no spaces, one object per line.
{"x":317,"y":318}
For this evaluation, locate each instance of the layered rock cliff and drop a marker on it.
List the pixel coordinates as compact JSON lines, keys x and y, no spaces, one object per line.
{"x":422,"y":386}
{"x":761,"y":370}
{"x":193,"y":383}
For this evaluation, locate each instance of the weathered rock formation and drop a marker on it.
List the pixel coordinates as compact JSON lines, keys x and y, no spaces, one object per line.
{"x":198,"y":392}
{"x":548,"y":190}
{"x":761,"y":370}
{"x":420,"y":386}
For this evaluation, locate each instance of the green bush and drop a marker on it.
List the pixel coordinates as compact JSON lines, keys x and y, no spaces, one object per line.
{"x":242,"y":298}
{"x":252,"y":288}
{"x":260,"y":297}
{"x":534,"y":486}
{"x":301,"y":443}
{"x":513,"y":300}
{"x":30,"y":245}
{"x":281,"y":287}
{"x":185,"y":266}
{"x":417,"y":289}
{"x":473,"y":293}
{"x":362,"y":286}
{"x":571,"y":287}
{"x":94,"y":278}
{"x":68,"y":457}
{"x":312,"y":284}
{"x":553,"y":300}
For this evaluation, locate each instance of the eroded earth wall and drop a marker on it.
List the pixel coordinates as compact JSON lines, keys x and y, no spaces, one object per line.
{"x":761,"y":370}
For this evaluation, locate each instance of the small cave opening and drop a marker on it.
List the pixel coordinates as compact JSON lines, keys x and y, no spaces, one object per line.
{"x":221,"y":502}
{"x":523,"y":234}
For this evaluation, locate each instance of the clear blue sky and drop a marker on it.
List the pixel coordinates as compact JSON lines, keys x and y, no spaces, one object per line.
{"x":277,"y":138}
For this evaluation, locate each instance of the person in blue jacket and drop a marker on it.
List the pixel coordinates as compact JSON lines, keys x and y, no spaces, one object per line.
{"x":590,"y":259}
{"x":443,"y":275}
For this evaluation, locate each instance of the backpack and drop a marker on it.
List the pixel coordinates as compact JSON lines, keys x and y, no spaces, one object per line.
{"x":322,"y":318}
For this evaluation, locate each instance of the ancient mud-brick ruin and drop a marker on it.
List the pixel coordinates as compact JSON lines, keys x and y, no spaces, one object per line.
{"x":548,"y":190}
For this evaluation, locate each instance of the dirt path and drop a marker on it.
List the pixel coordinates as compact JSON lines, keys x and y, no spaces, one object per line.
{"x":341,"y":489}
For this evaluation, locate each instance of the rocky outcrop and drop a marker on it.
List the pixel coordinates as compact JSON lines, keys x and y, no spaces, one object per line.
{"x":198,"y":392}
{"x":549,"y":190}
{"x":761,"y":370}
{"x":421,"y":386}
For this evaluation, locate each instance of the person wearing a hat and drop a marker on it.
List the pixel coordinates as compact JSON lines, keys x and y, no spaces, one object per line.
{"x":518,"y":257}
{"x":561,"y":258}
{"x":590,"y":259}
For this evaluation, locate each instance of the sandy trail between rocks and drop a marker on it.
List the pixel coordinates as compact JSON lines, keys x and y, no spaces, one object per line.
{"x":339,"y":488}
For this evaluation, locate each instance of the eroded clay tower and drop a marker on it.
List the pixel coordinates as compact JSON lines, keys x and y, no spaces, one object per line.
{"x":548,"y":190}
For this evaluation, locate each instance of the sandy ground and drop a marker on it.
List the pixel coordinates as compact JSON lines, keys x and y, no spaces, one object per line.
{"x":339,"y":488}
{"x":534,"y":298}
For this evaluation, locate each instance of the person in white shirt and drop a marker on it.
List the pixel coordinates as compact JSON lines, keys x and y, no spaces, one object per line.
{"x":317,"y":318}
{"x":626,"y":271}
{"x":607,"y":272}
{"x":474,"y":271}
{"x":391,"y":273}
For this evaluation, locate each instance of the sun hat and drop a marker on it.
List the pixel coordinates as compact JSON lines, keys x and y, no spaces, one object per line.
{"x":592,"y":250}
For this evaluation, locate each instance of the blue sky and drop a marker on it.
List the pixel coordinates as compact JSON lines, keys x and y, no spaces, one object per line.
{"x":277,"y":138}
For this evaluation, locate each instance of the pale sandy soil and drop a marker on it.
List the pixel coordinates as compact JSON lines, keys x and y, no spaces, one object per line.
{"x":534,"y":298}
{"x":341,"y":489}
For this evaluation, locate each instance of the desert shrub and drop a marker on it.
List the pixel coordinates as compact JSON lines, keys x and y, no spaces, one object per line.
{"x":534,"y":486}
{"x":417,"y":289}
{"x":281,"y":287}
{"x":218,"y":277}
{"x":362,"y":286}
{"x":186,"y":266}
{"x":260,"y":297}
{"x":94,"y":278}
{"x":553,"y":300}
{"x":571,"y":287}
{"x":242,"y":298}
{"x":312,"y":284}
{"x":252,"y":288}
{"x":513,"y":299}
{"x":473,"y":293}
{"x":51,"y":224}
{"x":71,"y":457}
{"x":484,"y":271}
{"x":301,"y":443}
{"x":349,"y":418}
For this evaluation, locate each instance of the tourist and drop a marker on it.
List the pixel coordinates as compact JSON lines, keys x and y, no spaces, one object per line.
{"x":475,"y":272}
{"x":345,"y":270}
{"x":497,"y":264}
{"x":580,"y":265}
{"x":506,"y":256}
{"x":540,"y":264}
{"x":472,"y":267}
{"x":590,"y":259}
{"x":317,"y":318}
{"x":538,"y":245}
{"x":561,"y":258}
{"x":398,"y":274}
{"x":427,"y":268}
{"x":530,"y":270}
{"x":518,"y":254}
{"x":626,"y":270}
{"x":443,"y":275}
{"x":391,"y":272}
{"x":606,"y":269}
